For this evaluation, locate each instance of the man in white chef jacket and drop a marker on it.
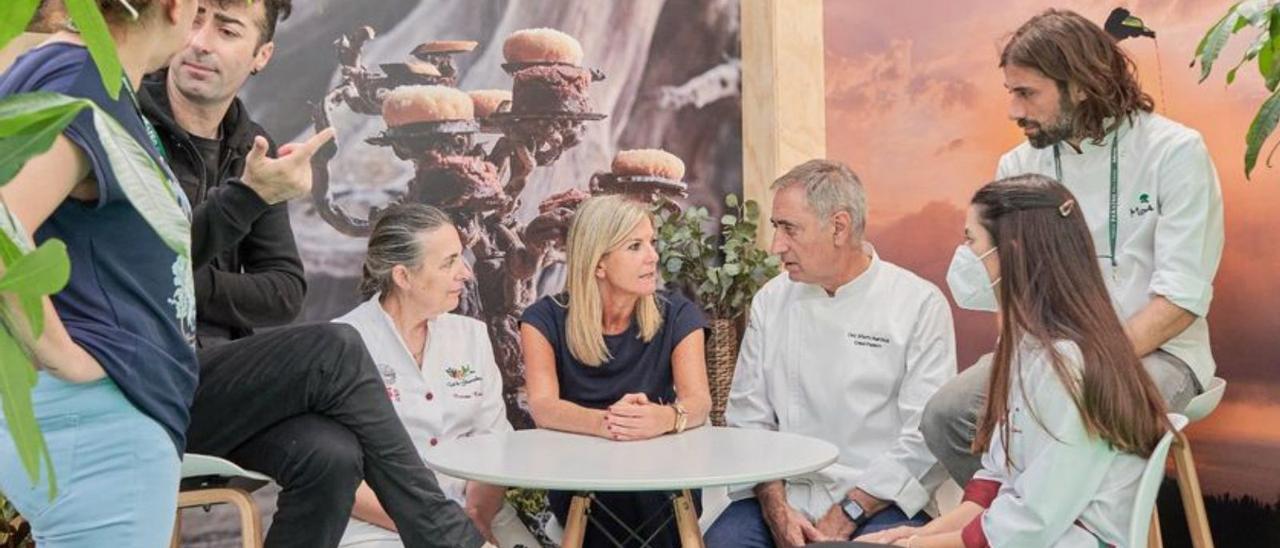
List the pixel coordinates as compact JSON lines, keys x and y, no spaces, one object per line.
{"x":1148,"y":190}
{"x":843,"y":347}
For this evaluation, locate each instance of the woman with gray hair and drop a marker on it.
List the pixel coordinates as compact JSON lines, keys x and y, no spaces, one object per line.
{"x":615,"y":357}
{"x":439,"y":368}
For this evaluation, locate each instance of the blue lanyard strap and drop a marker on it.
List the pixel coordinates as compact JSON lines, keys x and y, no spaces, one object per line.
{"x":1113,"y":215}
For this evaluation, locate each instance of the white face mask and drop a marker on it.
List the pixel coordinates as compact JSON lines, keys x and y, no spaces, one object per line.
{"x":970,"y":285}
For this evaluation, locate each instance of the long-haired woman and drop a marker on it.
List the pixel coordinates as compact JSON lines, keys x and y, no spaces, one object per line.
{"x":1072,"y":415}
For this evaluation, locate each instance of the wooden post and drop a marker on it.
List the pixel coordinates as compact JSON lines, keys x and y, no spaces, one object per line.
{"x":687,"y":521}
{"x":250,"y":522}
{"x":783,"y":94}
{"x":1154,"y":538}
{"x":575,"y":526}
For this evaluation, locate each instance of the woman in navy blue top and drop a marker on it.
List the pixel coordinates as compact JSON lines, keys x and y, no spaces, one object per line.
{"x":614,"y":357}
{"x":117,"y":369}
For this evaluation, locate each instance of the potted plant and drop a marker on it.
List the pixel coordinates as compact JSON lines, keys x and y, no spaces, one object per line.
{"x":720,"y":270}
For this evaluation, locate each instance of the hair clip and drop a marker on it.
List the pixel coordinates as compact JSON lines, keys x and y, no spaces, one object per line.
{"x":133,"y":13}
{"x":1066,"y":208}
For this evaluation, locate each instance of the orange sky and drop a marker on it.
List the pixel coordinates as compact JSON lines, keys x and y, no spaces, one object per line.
{"x":915,"y":104}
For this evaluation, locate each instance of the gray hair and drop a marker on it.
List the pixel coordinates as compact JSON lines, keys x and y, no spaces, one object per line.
{"x":829,"y":187}
{"x":395,"y":242}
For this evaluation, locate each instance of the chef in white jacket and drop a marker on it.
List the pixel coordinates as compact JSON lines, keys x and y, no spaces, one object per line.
{"x":438,"y":367}
{"x":1073,"y":415}
{"x":844,"y":347}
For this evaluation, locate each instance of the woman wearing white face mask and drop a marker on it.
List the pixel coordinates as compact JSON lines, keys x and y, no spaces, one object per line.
{"x":439,"y":368}
{"x":1072,"y":414}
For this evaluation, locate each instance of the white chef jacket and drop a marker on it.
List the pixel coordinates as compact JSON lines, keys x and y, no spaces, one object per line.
{"x":1063,"y":488}
{"x":854,"y":369}
{"x":456,"y":392}
{"x":1170,"y":233}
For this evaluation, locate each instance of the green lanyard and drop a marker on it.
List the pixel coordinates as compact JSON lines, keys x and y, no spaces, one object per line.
{"x":151,"y":130}
{"x":1113,"y":215}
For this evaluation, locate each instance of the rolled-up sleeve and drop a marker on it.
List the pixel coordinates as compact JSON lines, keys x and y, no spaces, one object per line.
{"x":1189,"y":229}
{"x":899,"y":474}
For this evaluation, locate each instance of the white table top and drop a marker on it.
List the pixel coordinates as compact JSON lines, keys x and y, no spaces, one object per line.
{"x":703,"y":457}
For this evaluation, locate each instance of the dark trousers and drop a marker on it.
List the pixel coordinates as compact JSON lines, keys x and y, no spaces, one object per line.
{"x":306,"y":406}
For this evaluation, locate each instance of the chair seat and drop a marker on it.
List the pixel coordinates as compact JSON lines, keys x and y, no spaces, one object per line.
{"x":1201,"y":406}
{"x":205,"y":471}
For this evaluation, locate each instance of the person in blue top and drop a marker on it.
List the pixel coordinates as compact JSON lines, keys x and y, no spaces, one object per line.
{"x":615,"y":357}
{"x":117,"y":368}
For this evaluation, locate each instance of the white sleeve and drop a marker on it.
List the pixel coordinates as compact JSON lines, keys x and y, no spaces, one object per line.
{"x":1006,"y":167}
{"x":749,"y":405}
{"x":493,"y":409}
{"x":1062,"y":470}
{"x":1189,"y":229}
{"x":899,"y":473}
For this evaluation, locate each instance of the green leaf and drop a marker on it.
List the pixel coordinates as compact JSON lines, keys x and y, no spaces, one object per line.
{"x":1259,"y":130}
{"x":1211,"y":45}
{"x":674,"y":265}
{"x":16,"y":150}
{"x":17,"y":378}
{"x":1267,"y":54}
{"x":14,"y":17}
{"x":97,"y":37}
{"x":144,"y":183}
{"x":42,"y":272}
{"x":728,"y":220}
{"x":1204,"y":41}
{"x":731,"y":269}
{"x":731,"y":200}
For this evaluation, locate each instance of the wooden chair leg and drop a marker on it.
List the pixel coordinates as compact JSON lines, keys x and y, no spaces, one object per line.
{"x":687,"y":521}
{"x":1154,"y":537}
{"x":1192,"y":498}
{"x":176,"y":540}
{"x":575,"y":527}
{"x":250,"y":521}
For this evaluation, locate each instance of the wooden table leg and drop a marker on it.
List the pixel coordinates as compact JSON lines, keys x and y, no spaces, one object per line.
{"x":687,"y":521}
{"x":575,"y":526}
{"x":1154,"y":537}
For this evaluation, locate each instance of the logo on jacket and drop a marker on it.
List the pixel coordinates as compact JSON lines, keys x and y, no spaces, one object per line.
{"x":461,"y":376}
{"x":1144,"y":206}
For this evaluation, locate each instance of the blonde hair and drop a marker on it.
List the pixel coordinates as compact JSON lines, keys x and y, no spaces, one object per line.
{"x":601,"y":226}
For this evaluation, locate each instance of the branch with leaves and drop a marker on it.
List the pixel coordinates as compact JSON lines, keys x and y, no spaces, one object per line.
{"x":1263,"y":17}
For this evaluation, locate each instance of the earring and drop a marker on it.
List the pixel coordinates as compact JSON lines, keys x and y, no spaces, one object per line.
{"x":253,"y":72}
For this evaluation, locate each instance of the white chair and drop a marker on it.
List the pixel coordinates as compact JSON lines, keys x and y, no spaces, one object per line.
{"x":1141,"y":531}
{"x":207,"y":481}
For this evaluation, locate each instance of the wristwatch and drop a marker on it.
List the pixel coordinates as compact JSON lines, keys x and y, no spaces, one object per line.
{"x":855,"y":512}
{"x":682,"y":418}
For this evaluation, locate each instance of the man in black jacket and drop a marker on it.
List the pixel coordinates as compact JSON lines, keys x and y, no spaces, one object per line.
{"x":302,"y":404}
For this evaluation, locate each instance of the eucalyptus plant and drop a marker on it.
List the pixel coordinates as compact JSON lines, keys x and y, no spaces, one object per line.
{"x":1262,"y":17}
{"x":722,"y":269}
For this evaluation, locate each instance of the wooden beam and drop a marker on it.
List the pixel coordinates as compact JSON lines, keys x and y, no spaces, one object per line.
{"x":783,"y":94}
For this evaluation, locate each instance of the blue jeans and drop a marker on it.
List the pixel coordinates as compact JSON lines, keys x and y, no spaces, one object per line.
{"x":116,"y":469}
{"x":742,"y":525}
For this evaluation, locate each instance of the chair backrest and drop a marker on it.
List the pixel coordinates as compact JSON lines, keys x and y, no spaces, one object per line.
{"x":1149,"y":485}
{"x":1200,"y":406}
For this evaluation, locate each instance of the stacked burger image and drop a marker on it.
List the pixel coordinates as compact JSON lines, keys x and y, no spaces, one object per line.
{"x":458,"y":166}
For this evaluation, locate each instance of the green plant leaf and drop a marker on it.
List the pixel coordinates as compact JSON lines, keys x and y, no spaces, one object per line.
{"x":97,"y":37}
{"x":17,"y":378}
{"x":145,"y":184}
{"x":42,"y":272}
{"x":1259,"y":130}
{"x":674,"y":265}
{"x":1213,"y":41}
{"x":14,"y":17}
{"x":1268,"y":60}
{"x":16,"y":150}
{"x":731,"y":200}
{"x":728,"y":220}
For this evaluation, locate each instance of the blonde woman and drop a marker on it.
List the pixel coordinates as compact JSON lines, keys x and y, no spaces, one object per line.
{"x":613,"y":356}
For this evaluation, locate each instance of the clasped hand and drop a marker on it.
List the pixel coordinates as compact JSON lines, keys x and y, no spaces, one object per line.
{"x":634,"y":417}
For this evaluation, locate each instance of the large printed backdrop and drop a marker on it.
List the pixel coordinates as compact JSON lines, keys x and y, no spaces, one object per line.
{"x":915,"y":103}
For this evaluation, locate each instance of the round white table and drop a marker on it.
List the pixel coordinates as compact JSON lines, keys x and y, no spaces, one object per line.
{"x":704,"y":457}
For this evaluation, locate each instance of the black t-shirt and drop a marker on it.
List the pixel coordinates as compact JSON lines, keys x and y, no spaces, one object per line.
{"x":636,"y":366}
{"x":211,"y":153}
